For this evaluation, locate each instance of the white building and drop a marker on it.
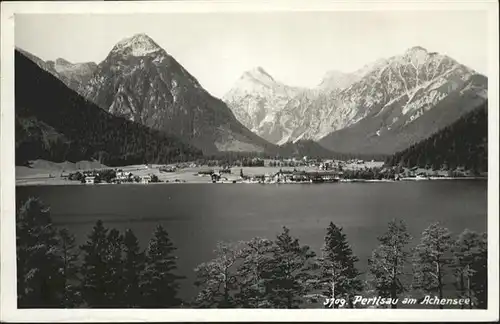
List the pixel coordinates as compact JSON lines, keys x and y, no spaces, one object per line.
{"x":89,"y":180}
{"x":123,"y":176}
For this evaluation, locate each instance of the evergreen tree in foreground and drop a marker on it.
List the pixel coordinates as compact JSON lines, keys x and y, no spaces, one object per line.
{"x":479,"y":278}
{"x":469,"y":260}
{"x":113,"y":279}
{"x":133,"y":267}
{"x":70,"y":271}
{"x":387,"y":262}
{"x":39,"y":280}
{"x":431,"y":258}
{"x":94,"y":268}
{"x":464,"y":250}
{"x":160,"y":283}
{"x":338,"y":275}
{"x":217,"y":278}
{"x":289,"y":276}
{"x":255,"y":258}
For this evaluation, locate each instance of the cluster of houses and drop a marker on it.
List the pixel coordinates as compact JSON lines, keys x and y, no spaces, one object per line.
{"x":216,"y":176}
{"x":320,"y":164}
{"x":415,"y":173}
{"x":110,"y":176}
{"x":355,"y":161}
{"x":124,"y":177}
{"x":281,"y":176}
{"x":88,"y":177}
{"x":292,"y":162}
{"x":295,"y":176}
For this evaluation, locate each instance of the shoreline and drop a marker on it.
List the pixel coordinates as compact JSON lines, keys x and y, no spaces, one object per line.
{"x":46,"y":173}
{"x":62,"y":182}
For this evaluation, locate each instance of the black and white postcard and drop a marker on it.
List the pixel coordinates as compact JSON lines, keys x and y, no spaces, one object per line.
{"x":199,"y":160}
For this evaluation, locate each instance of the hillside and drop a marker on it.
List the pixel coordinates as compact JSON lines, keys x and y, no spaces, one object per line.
{"x":387,"y":131}
{"x":74,"y":75}
{"x":462,"y":144}
{"x":55,"y":123}
{"x":303,"y":148}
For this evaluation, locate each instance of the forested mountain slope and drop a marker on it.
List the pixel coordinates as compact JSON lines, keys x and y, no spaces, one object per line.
{"x":53,"y":122}
{"x":462,"y":144}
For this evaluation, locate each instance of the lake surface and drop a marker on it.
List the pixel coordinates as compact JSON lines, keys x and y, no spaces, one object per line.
{"x":198,"y":215}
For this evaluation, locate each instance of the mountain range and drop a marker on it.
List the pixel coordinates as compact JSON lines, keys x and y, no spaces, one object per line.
{"x":381,"y":108}
{"x":141,"y":82}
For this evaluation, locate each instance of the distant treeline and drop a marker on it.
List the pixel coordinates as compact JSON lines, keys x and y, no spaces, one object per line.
{"x":55,"y":123}
{"x":462,"y":144}
{"x":283,"y":154}
{"x":111,"y":270}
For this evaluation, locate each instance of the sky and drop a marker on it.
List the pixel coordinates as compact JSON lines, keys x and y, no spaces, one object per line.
{"x":296,"y":48}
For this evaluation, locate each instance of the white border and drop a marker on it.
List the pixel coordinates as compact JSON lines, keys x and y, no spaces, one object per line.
{"x":8,"y":310}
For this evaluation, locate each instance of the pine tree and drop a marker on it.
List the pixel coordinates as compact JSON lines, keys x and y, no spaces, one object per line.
{"x":160,"y":283}
{"x":465,"y":249}
{"x":255,"y":257}
{"x":289,"y":276}
{"x":94,"y":268}
{"x":431,"y":258}
{"x":337,"y":271}
{"x":463,"y":143}
{"x":217,"y":279}
{"x":39,"y":278}
{"x":133,"y":267}
{"x":479,"y":277}
{"x":70,"y":271}
{"x":113,"y":278}
{"x":387,"y":262}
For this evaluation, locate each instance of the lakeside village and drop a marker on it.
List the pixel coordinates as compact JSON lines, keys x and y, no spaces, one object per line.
{"x":262,"y":171}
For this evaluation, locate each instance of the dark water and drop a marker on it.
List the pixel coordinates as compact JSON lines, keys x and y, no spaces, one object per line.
{"x":198,"y":215}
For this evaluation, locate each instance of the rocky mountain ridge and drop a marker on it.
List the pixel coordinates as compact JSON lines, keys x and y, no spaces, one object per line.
{"x":408,"y":85}
{"x":140,"y":81}
{"x":74,"y":75}
{"x":383,"y":107}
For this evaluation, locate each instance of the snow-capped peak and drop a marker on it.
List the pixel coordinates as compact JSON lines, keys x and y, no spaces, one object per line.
{"x":137,"y":45}
{"x":417,"y":55}
{"x":337,"y":80}
{"x":259,"y":74}
{"x":63,"y":62}
{"x":415,"y":49}
{"x":367,"y":68}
